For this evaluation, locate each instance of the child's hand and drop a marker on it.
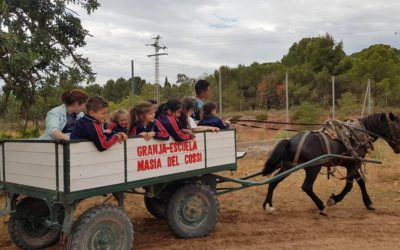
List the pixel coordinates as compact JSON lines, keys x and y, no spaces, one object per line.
{"x":108,"y":131}
{"x":192,"y":136}
{"x":186,"y":131}
{"x":214,"y":129}
{"x":122,"y":137}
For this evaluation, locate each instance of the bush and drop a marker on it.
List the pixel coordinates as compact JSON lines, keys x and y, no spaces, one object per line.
{"x":307,"y":113}
{"x":348,"y":105}
{"x":262,"y":117}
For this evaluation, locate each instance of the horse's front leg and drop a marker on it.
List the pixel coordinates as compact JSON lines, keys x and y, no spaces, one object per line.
{"x":348,"y":186}
{"x":367,"y":201}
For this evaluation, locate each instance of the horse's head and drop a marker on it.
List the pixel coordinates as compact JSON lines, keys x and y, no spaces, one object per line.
{"x":392,"y":130}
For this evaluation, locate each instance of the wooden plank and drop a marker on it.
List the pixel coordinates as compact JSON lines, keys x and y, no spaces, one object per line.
{"x":100,"y":169}
{"x":33,"y":158}
{"x":99,"y":181}
{"x":34,"y":170}
{"x":221,"y":161}
{"x":33,"y":181}
{"x":30,"y":147}
{"x":86,"y":147}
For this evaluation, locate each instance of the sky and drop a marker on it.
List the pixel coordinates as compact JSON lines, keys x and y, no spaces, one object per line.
{"x":202,"y":35}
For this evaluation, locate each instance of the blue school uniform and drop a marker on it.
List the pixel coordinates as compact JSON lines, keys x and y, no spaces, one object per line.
{"x":213,"y":121}
{"x":173,"y":128}
{"x":160,"y":132}
{"x":88,"y":128}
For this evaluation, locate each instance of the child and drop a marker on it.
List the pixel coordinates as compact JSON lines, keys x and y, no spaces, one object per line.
{"x":90,"y":126}
{"x":202,"y":89}
{"x":168,"y":114}
{"x":186,"y":119}
{"x":143,"y":123}
{"x":210,"y":117}
{"x":119,"y":121}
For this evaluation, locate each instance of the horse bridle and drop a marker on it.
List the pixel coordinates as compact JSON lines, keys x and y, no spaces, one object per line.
{"x":393,"y":127}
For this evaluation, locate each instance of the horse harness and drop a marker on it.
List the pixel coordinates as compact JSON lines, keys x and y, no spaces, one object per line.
{"x":350,"y":133}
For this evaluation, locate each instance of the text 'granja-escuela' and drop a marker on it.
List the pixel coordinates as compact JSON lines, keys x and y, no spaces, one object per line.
{"x":168,"y":155}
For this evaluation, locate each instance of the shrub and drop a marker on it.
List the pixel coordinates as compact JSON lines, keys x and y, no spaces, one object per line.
{"x":262,"y":117}
{"x":307,"y":113}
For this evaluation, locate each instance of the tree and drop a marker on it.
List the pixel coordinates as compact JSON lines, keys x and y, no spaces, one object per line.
{"x":37,"y":39}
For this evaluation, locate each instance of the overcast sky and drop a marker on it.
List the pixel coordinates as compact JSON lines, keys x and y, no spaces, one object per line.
{"x":201,"y":35}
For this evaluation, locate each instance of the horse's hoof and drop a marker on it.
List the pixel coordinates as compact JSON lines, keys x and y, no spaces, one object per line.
{"x":323,"y":212}
{"x":330,"y":202}
{"x":371,"y":207}
{"x":269,"y":208}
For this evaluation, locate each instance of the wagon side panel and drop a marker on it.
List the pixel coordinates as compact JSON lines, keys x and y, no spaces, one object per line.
{"x":30,"y":164}
{"x":221,"y":149}
{"x":90,"y":168}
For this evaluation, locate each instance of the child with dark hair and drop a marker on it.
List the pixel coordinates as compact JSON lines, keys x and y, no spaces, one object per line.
{"x":142,"y":123}
{"x":168,"y":114}
{"x":118,"y":121}
{"x":202,"y":89}
{"x":210,"y":118}
{"x":90,"y":125}
{"x":188,"y":122}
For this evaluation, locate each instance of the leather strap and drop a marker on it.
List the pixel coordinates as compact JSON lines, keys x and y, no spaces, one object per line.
{"x":300,"y":147}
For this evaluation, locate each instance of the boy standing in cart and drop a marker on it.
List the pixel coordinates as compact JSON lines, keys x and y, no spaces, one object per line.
{"x":203,"y":92}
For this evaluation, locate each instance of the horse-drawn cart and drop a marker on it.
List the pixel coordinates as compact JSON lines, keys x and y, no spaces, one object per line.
{"x":43,"y":181}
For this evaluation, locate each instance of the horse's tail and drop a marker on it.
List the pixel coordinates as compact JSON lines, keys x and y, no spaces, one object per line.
{"x":278,"y":155}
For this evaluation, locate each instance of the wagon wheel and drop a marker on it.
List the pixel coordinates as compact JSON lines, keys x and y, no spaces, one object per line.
{"x":102,"y":227}
{"x":27,"y":228}
{"x":193,"y":211}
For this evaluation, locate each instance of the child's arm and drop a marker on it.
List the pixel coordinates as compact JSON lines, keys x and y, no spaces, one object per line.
{"x":100,"y":140}
{"x":206,"y":128}
{"x":160,"y":132}
{"x":222,"y":125}
{"x":174,"y":130}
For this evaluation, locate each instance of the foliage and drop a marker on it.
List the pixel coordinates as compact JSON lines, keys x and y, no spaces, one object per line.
{"x":262,"y":117}
{"x":307,"y":113}
{"x":348,"y":105}
{"x":37,"y":39}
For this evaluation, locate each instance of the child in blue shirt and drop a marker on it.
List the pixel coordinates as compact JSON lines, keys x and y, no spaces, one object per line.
{"x":210,"y":118}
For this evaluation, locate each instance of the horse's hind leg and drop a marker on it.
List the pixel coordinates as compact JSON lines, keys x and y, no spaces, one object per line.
{"x":367,"y":201}
{"x":311,"y":176}
{"x":271,"y":187}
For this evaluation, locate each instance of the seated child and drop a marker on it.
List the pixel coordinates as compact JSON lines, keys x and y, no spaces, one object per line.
{"x":119,"y":121}
{"x":186,"y":120}
{"x":168,"y":114}
{"x":210,"y":118}
{"x":142,"y":123}
{"x":90,"y":125}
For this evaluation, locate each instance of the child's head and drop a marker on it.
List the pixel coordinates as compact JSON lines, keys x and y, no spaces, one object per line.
{"x":173,"y":107}
{"x":97,"y":108}
{"x":142,"y":113}
{"x":188,"y":106}
{"x":75,"y":100}
{"x":120,"y":116}
{"x":209,"y":108}
{"x":154,"y":103}
{"x":202,"y":89}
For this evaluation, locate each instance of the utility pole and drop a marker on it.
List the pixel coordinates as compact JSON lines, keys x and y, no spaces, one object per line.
{"x":220,"y":92}
{"x":333,"y":97}
{"x":133,"y":80}
{"x":369,"y":96}
{"x":287,"y":102}
{"x":156,"y":55}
